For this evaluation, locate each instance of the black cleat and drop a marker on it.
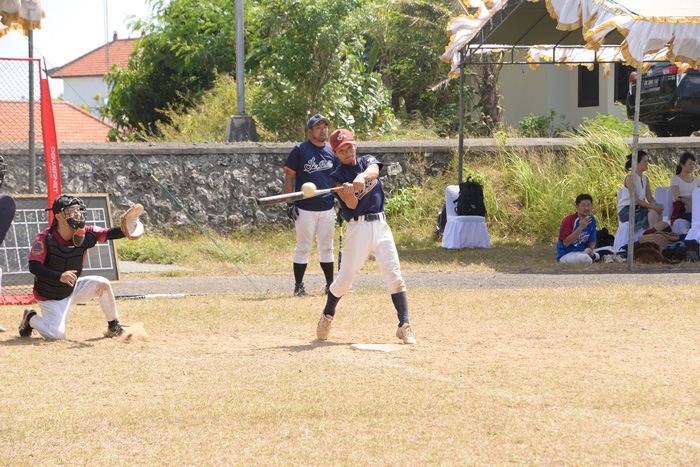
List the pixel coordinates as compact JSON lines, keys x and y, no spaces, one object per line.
{"x":114,"y":329}
{"x":299,"y":290}
{"x":25,"y":329}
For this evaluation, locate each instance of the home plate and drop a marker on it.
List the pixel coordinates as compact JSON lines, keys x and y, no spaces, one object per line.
{"x":377,"y":347}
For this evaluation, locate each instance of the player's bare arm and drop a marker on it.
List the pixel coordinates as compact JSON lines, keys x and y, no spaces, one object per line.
{"x":370,"y":173}
{"x":288,"y":181}
{"x":347,"y":194}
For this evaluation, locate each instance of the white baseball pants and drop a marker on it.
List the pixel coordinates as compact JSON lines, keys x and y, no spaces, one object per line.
{"x":323,"y":224}
{"x":54,"y":313}
{"x":576,"y":257}
{"x":365,"y":238}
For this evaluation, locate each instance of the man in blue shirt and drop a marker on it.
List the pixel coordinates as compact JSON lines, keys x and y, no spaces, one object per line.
{"x":311,"y":161}
{"x":577,"y":234}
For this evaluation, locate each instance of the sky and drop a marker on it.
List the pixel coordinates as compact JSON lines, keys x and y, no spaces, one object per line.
{"x":72,"y":28}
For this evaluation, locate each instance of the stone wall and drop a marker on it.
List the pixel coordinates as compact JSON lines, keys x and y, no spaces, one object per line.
{"x":218,"y":183}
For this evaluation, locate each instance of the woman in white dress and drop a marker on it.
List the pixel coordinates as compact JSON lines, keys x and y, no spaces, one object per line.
{"x":682,"y":186}
{"x":647,"y":210}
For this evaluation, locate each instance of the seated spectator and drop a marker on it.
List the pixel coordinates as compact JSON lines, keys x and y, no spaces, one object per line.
{"x":577,"y":235}
{"x":647,"y":211}
{"x":682,"y":186}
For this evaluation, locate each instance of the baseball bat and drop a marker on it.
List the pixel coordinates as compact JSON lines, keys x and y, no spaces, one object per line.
{"x":289,"y":197}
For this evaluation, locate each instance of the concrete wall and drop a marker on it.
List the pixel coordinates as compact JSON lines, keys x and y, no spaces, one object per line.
{"x":218,"y":183}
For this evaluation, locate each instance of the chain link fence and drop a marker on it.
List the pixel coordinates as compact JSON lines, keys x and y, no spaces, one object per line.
{"x":20,"y":133}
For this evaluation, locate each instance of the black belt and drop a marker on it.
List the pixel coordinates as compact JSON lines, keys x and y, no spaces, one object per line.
{"x":369,"y":217}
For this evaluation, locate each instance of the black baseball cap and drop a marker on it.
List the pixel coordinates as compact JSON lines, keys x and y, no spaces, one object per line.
{"x":315,"y":119}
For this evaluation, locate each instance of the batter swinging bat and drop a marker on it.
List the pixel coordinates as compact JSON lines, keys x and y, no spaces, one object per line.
{"x":289,"y":197}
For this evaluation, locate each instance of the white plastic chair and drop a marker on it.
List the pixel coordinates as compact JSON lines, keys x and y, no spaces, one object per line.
{"x":694,"y":232}
{"x":663,"y":194}
{"x":463,"y":231}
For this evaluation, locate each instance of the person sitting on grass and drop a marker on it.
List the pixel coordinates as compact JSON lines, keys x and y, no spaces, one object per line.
{"x":577,"y":234}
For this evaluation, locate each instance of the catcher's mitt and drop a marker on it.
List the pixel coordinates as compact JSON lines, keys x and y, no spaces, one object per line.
{"x":130,"y":223}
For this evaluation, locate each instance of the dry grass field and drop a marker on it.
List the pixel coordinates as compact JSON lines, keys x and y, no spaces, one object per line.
{"x":536,"y":377}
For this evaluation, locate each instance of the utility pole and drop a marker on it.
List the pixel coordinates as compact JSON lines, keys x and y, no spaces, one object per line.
{"x":240,"y":127}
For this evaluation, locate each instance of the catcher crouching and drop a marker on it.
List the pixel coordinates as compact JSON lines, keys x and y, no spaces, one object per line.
{"x":56,"y":260}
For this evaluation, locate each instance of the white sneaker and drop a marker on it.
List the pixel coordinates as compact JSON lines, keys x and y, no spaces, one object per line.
{"x":323,"y":328}
{"x":405,"y":333}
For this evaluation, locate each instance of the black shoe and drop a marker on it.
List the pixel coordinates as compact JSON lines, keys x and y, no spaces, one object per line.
{"x":25,"y":329}
{"x":114,"y":329}
{"x":299,"y":290}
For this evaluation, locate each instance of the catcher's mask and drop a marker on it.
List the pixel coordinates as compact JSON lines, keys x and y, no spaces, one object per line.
{"x":73,"y":210}
{"x":3,"y":169}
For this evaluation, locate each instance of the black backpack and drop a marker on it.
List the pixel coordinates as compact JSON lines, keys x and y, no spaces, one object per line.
{"x":675,"y":251}
{"x":471,"y":199}
{"x":441,"y":222}
{"x":603,"y":238}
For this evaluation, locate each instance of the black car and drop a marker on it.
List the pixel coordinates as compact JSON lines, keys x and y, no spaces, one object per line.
{"x":670,"y":102}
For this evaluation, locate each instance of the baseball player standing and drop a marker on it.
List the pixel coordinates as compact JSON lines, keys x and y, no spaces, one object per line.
{"x":311,"y":161}
{"x":56,"y":260}
{"x":362,"y":205}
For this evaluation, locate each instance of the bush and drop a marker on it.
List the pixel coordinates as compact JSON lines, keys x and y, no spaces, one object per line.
{"x":543,"y":126}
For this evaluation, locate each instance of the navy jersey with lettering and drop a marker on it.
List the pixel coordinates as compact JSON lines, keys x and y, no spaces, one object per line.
{"x":371,"y":198}
{"x":310,"y":163}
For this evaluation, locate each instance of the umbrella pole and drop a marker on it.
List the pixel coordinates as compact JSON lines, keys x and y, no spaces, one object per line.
{"x":461,"y":114}
{"x":633,"y":173}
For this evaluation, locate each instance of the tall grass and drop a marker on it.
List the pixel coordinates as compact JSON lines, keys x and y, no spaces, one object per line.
{"x":546,"y":184}
{"x":526,"y":195}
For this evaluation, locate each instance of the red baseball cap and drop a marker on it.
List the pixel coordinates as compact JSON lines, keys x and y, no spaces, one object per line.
{"x":341,"y":137}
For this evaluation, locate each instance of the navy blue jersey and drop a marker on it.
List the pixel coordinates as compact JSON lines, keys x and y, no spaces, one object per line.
{"x":310,"y":163}
{"x":371,"y":198}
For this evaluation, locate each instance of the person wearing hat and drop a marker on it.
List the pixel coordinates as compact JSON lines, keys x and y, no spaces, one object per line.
{"x":361,"y":201}
{"x":56,"y":260}
{"x":577,"y":234}
{"x":311,"y":161}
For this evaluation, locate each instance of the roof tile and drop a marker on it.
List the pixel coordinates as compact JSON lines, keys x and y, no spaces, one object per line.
{"x":95,"y":63}
{"x":73,"y":124}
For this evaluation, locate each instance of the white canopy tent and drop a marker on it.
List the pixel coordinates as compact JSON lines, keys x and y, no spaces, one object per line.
{"x":578,"y":32}
{"x":20,"y":14}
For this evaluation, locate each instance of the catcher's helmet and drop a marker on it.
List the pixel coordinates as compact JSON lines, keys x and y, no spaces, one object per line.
{"x":63,"y":202}
{"x":3,"y":169}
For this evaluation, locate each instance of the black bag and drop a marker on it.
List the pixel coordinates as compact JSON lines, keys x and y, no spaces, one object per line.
{"x":692,"y":250}
{"x":675,"y":251}
{"x":441,"y":222}
{"x":471,"y":199}
{"x":603,"y":238}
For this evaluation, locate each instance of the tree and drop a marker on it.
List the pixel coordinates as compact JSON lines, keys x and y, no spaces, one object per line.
{"x":405,"y":43}
{"x":310,"y":61}
{"x":186,"y":44}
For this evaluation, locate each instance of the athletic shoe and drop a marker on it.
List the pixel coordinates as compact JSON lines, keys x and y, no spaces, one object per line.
{"x":114,"y":329}
{"x":25,"y":329}
{"x":405,"y":333}
{"x":299,"y":290}
{"x":323,"y":328}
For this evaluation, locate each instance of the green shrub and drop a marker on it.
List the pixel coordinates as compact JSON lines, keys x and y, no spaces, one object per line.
{"x":543,"y":126}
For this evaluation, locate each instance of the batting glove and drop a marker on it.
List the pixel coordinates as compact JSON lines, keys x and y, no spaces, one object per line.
{"x":292,"y":211}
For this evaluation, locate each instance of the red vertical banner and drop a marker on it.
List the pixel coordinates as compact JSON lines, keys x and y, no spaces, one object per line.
{"x":48,"y":129}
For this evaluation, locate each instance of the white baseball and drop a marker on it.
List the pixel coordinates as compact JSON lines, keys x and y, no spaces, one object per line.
{"x":309,"y":189}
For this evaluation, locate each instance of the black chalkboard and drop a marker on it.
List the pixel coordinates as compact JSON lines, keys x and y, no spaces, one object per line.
{"x":31,"y":218}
